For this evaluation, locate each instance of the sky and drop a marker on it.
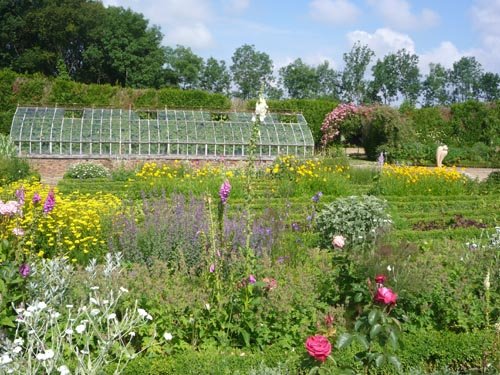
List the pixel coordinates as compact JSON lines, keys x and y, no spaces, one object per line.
{"x":439,"y":31}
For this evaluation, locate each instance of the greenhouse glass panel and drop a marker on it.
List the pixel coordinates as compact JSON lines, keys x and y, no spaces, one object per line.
{"x":196,"y":134}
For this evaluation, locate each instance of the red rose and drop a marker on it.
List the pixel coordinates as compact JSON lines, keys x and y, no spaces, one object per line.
{"x":318,"y":347}
{"x":380,"y":279}
{"x":386,"y":296}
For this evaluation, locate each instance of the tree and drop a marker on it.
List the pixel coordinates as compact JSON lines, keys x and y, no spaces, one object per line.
{"x":490,"y":86}
{"x":466,"y":79}
{"x":356,"y":61}
{"x":300,"y":80}
{"x":329,"y":81}
{"x":215,"y":76}
{"x":251,"y":69}
{"x":35,"y":35}
{"x":385,"y":79}
{"x":435,"y":87}
{"x":408,"y":76}
{"x":184,"y":65}
{"x":125,"y":50}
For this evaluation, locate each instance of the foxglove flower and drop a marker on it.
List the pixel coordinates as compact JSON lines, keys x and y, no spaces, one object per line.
{"x":36,"y":198}
{"x":224,"y":191}
{"x":50,"y":202}
{"x":24,"y":270}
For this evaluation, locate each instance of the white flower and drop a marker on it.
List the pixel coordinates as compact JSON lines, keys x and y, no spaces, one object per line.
{"x":111,"y":316}
{"x":4,"y":359}
{"x":94,"y":288}
{"x":143,"y":313}
{"x":389,"y":268}
{"x":80,"y":328}
{"x":30,"y":309}
{"x":41,"y":305}
{"x":168,"y":336}
{"x":94,"y":301}
{"x":18,"y":341}
{"x":55,"y":315}
{"x":487,"y":284}
{"x":132,"y":334}
{"x":261,"y":108}
{"x":94,"y":312}
{"x":17,"y":350}
{"x":105,"y":301}
{"x":123,"y":289}
{"x":69,"y":331}
{"x":49,"y":354}
{"x":69,"y":306}
{"x":63,"y":370}
{"x":207,"y":306}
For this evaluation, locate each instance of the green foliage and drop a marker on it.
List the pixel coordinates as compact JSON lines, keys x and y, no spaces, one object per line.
{"x":359,"y":219}
{"x":7,"y":148}
{"x":13,"y":169}
{"x":86,"y":170}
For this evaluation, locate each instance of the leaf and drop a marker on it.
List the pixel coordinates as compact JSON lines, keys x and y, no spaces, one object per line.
{"x":373,"y":317}
{"x":362,"y":340}
{"x":393,"y":339}
{"x":7,"y":322}
{"x":375,"y":330}
{"x":379,"y":360}
{"x":358,"y":297}
{"x":395,"y":362}
{"x":246,"y":336}
{"x":344,"y":340}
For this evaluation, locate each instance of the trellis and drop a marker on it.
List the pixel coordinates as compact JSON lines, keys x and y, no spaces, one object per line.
{"x":104,"y":132}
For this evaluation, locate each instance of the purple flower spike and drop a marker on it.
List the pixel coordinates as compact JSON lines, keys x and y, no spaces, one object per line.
{"x":50,"y":202}
{"x":212,"y":268}
{"x":20,"y":195}
{"x":24,"y":270}
{"x":36,"y":198}
{"x":252,"y":279}
{"x":317,"y":196}
{"x":224,"y":191}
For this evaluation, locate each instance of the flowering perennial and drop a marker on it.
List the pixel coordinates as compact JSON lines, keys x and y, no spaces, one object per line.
{"x":331,"y":124}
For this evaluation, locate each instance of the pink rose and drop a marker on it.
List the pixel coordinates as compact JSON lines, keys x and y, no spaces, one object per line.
{"x":318,"y":347}
{"x":386,"y":296}
{"x":380,"y":279}
{"x":338,"y":241}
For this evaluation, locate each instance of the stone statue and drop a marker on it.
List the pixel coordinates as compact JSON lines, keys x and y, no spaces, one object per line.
{"x":441,"y":152}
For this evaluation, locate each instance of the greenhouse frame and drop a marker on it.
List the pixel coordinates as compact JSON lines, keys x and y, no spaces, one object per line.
{"x":168,"y":133}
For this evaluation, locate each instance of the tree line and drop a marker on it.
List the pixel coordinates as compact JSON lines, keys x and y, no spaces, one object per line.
{"x":84,"y":41}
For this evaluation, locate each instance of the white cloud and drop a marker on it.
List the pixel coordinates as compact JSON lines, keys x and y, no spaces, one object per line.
{"x":382,"y":41}
{"x":445,"y":54}
{"x":486,"y":20}
{"x":181,"y":21}
{"x":237,"y":6}
{"x":398,"y":14}
{"x":334,"y":12}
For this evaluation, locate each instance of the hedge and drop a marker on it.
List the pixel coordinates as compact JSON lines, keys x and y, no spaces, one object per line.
{"x":39,"y":90}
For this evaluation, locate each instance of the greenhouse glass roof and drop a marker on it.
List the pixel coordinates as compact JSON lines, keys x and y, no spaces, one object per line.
{"x":99,"y":132}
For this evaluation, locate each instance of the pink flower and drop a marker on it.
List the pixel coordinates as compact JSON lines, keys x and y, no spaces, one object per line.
{"x":212,"y":268}
{"x":252,"y":279}
{"x":9,"y":208}
{"x":318,"y":347}
{"x":224,"y":191}
{"x":386,"y":296}
{"x":18,"y":232}
{"x":338,"y":241}
{"x":50,"y":202}
{"x":24,"y":270}
{"x":380,"y":279}
{"x":36,"y":198}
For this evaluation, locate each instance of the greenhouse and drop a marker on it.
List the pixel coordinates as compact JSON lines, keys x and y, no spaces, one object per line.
{"x":122,"y":133}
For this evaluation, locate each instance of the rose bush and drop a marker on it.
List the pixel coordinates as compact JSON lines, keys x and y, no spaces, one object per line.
{"x":318,"y":347}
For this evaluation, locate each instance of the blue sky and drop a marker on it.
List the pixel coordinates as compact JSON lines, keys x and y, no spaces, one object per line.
{"x":439,"y":31}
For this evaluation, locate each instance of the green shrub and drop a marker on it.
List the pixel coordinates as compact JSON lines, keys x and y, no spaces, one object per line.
{"x":87,"y":170}
{"x":7,"y":148}
{"x":13,"y":169}
{"x":358,"y":218}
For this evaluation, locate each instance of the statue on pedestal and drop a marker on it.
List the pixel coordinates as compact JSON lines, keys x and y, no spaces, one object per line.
{"x":441,"y":152}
